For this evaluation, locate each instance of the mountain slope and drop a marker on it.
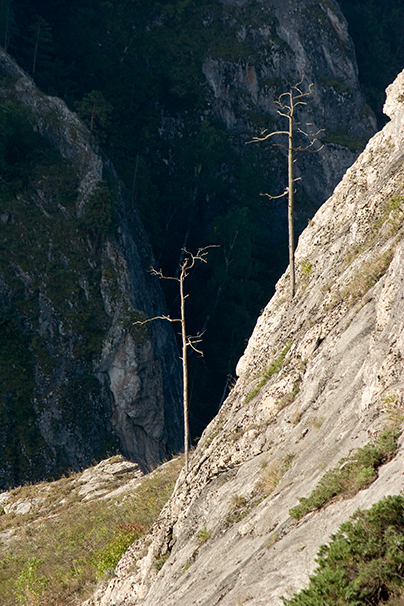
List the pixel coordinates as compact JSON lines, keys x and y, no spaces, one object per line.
{"x":78,"y":379}
{"x":322,"y":376}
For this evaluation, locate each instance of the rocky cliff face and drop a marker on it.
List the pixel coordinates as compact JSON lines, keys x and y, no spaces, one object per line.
{"x":322,"y":375}
{"x":285,"y":43}
{"x":73,"y":279}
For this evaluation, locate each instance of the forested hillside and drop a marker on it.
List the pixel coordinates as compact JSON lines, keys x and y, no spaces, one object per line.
{"x":133,"y":72}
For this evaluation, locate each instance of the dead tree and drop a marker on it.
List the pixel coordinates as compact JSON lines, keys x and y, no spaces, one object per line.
{"x":187,"y":263}
{"x":286,"y":107}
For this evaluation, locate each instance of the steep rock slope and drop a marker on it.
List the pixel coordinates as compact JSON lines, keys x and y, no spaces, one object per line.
{"x":321,"y":376}
{"x":73,"y":279}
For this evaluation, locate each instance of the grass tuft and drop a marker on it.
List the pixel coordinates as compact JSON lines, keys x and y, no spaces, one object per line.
{"x":203,"y":535}
{"x":273,"y":369}
{"x":273,"y":473}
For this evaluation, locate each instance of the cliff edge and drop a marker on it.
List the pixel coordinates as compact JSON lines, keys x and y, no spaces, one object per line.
{"x":321,"y":377}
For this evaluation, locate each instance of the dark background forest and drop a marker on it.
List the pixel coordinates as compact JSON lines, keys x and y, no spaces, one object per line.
{"x":121,"y":74}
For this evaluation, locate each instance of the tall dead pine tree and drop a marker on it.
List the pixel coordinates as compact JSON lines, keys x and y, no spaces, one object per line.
{"x":186,"y":264}
{"x":286,"y":107}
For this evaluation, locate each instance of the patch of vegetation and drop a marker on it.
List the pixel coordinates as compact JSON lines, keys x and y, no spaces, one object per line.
{"x":366,"y":277}
{"x":288,"y":398}
{"x":160,"y":561}
{"x":353,"y":474}
{"x":100,"y":216}
{"x":393,"y":212}
{"x":273,"y":473}
{"x":306,"y":270}
{"x":317,"y":422}
{"x":135,"y":323}
{"x":57,"y":555}
{"x":239,"y":509}
{"x":364,"y":562}
{"x":394,"y":407}
{"x":203,"y":535}
{"x":337,"y":85}
{"x":213,"y":435}
{"x":272,"y":370}
{"x":316,"y":12}
{"x":387,"y":225}
{"x":340,"y":137}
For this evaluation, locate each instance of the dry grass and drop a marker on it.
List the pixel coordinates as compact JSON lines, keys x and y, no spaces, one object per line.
{"x":57,"y":554}
{"x":273,"y":369}
{"x":367,"y":277}
{"x":362,"y":280}
{"x":317,"y":422}
{"x":272,"y":474}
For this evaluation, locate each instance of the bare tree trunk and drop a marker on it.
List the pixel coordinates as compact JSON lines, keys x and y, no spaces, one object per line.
{"x":187,"y":341}
{"x":184,"y":371}
{"x":296,"y":97}
{"x":291,"y":228}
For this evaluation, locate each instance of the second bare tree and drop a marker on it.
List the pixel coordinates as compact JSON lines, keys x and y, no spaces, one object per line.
{"x":286,"y":107}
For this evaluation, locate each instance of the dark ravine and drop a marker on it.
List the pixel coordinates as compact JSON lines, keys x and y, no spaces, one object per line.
{"x":334,"y":382}
{"x":188,"y":83}
{"x":73,"y":279}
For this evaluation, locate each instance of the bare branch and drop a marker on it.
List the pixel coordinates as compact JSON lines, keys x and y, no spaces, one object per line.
{"x":285,"y":193}
{"x":159,"y":273}
{"x":265,"y":137}
{"x":308,"y":147}
{"x":190,"y":343}
{"x":140,"y":322}
{"x":310,"y":135}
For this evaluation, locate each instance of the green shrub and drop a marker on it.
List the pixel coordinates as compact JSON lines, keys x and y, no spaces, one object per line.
{"x":160,"y":561}
{"x":340,"y":137}
{"x":101,"y":215}
{"x":352,"y":474}
{"x":364,"y":562}
{"x":106,"y":558}
{"x":337,"y":85}
{"x":306,"y":270}
{"x":30,"y":586}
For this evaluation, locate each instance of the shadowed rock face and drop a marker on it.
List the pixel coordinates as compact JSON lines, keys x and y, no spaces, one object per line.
{"x":292,"y":42}
{"x":99,"y":383}
{"x":332,"y":359}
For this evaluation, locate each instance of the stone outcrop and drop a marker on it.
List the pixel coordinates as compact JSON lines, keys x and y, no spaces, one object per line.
{"x":100,"y":383}
{"x":109,"y":479}
{"x":321,"y":376}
